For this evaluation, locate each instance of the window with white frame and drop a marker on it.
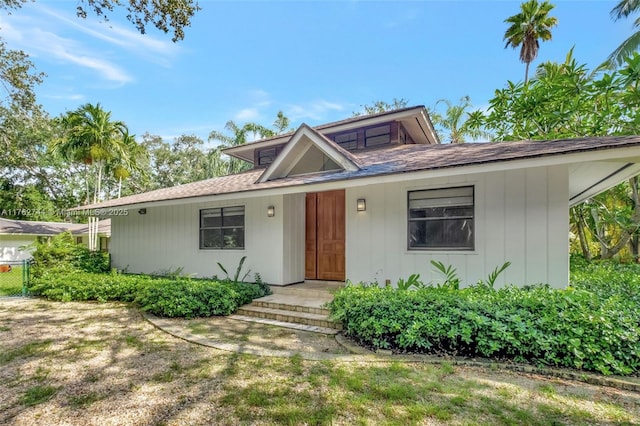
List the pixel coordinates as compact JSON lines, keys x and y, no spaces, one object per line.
{"x":441,"y":219}
{"x":222,"y":228}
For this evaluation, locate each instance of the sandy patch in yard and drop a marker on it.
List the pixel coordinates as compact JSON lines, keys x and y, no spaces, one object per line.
{"x":104,"y":364}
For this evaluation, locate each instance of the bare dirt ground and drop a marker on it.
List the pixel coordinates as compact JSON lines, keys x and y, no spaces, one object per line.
{"x":104,"y":364}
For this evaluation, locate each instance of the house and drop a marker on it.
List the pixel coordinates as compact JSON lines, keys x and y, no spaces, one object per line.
{"x":375,"y":197}
{"x":17,"y":234}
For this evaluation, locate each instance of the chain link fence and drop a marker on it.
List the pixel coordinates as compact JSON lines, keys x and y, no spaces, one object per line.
{"x":14,"y":278}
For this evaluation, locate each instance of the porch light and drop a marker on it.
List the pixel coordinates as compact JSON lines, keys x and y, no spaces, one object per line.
{"x":271,"y":211}
{"x":142,"y":211}
{"x":361,"y":205}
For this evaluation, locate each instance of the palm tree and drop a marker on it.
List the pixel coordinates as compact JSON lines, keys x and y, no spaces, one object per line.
{"x":533,"y":23}
{"x":457,"y":122}
{"x":128,"y":160}
{"x":92,"y":138}
{"x":239,"y":136}
{"x":630,"y":45}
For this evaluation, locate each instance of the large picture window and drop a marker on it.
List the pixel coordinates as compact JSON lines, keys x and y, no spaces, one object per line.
{"x":222,"y":228}
{"x":441,"y":219}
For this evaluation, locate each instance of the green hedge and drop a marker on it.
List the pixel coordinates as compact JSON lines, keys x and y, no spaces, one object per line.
{"x":168,"y":297}
{"x":589,"y":327}
{"x":61,"y":254}
{"x":83,"y":286}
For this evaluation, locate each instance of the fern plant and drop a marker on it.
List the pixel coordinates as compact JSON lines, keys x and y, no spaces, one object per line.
{"x":450,"y":274}
{"x":412,"y":281}
{"x":238,"y":270}
{"x":496,"y":272}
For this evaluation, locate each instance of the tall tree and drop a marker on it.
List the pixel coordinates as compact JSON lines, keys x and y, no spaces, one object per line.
{"x":526,"y":28}
{"x":281,"y":124}
{"x":92,"y":138}
{"x":456,"y":123}
{"x":127,"y":161}
{"x":631,"y":44}
{"x":239,"y":135}
{"x":566,"y":100}
{"x":177,"y":163}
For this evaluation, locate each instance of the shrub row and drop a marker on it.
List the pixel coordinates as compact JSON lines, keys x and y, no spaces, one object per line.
{"x":61,"y":253}
{"x":167,"y":297}
{"x":596,"y":330}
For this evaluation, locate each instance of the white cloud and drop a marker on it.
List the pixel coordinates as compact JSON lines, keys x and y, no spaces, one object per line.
{"x":42,"y":43}
{"x":152,"y":48}
{"x":247,"y":114}
{"x":108,"y":70}
{"x":316,"y":110}
{"x":70,"y":97}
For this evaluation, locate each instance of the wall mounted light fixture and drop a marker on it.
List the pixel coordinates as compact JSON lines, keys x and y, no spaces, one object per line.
{"x":142,"y":211}
{"x":361,"y":205}
{"x":271,"y":211}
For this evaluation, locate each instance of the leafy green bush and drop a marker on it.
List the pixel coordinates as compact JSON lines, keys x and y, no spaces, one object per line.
{"x":162,"y":296}
{"x":61,"y":253}
{"x":246,"y":292}
{"x":187,"y":298}
{"x":606,"y":279}
{"x":586,"y":327}
{"x":83,"y":286}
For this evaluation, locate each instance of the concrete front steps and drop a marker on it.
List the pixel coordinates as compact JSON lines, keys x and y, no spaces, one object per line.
{"x":298,"y":307}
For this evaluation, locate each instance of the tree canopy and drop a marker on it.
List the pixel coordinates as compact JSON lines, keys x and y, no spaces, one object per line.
{"x":165,"y":15}
{"x":567,"y":100}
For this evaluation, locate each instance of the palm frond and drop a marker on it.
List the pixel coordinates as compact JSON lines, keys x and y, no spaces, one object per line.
{"x":625,"y":50}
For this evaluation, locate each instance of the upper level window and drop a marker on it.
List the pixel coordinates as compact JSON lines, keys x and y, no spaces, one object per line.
{"x":377,"y":136}
{"x":441,"y":219}
{"x":222,"y":228}
{"x":266,"y":156}
{"x":347,"y":141}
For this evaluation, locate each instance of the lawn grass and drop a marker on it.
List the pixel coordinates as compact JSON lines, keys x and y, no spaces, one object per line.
{"x":11,"y":282}
{"x":136,"y":374}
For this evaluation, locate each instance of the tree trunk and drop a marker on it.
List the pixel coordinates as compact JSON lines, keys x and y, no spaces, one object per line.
{"x":578,"y":218}
{"x":526,"y":74}
{"x":626,"y":233}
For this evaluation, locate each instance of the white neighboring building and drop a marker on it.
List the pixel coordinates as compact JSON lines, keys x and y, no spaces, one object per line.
{"x":375,"y":197}
{"x":18,"y":234}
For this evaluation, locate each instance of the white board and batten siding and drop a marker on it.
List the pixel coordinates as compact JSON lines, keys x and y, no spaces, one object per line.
{"x":521,"y":216}
{"x":167,"y":238}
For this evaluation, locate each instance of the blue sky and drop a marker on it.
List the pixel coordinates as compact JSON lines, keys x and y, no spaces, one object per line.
{"x":318,"y":61}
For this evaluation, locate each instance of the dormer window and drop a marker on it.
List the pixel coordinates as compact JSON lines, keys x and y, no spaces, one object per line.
{"x":348,"y":141}
{"x":377,"y":136}
{"x":266,"y":156}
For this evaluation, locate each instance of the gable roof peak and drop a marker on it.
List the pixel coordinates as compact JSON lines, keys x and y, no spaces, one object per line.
{"x":304,"y":139}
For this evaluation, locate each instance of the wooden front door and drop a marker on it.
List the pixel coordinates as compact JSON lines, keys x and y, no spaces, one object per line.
{"x":325,"y":236}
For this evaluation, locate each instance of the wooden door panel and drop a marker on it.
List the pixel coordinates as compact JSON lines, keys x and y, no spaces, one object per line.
{"x":330,"y":235}
{"x":310,"y":253}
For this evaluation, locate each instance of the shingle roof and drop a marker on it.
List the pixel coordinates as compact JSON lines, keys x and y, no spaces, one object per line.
{"x":386,"y":161}
{"x":28,"y":227}
{"x":335,"y":124}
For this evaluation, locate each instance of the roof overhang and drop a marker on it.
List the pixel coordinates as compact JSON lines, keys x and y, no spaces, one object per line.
{"x":590,"y":169}
{"x":415,"y":119}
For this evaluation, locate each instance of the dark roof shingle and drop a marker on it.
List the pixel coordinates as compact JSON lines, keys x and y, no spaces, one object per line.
{"x":385,"y":161}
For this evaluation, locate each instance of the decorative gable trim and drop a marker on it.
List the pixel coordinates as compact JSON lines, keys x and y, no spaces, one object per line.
{"x":303,"y":140}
